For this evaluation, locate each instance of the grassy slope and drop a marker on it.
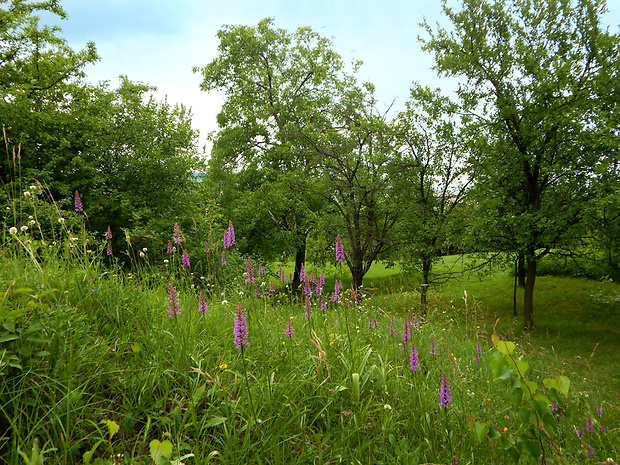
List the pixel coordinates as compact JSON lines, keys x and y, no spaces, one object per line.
{"x":112,"y":317}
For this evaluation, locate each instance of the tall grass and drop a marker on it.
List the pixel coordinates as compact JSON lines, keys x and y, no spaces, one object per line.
{"x":94,"y":370}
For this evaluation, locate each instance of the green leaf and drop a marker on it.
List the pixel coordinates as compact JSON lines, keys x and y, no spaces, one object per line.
{"x":23,"y":290}
{"x":9,"y":325}
{"x":559,"y":383}
{"x":199,"y":394}
{"x":505,"y":347}
{"x":531,"y":446}
{"x":499,"y":367}
{"x":161,"y":451}
{"x":215,"y":421}
{"x":530,"y":390}
{"x":8,"y":337}
{"x":112,"y":427}
{"x":522,"y":367}
{"x":481,"y":430}
{"x":89,"y":455}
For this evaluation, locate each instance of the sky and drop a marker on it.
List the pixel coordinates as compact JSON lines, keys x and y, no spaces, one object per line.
{"x":159,"y":42}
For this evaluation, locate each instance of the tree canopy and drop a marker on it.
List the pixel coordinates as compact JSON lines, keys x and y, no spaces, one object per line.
{"x":536,"y":75}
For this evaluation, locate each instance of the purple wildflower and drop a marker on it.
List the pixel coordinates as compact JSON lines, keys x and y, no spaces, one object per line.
{"x":108,"y":249}
{"x":589,"y":425}
{"x":302,"y":273}
{"x":454,"y":462}
{"x":599,"y":410}
{"x":207,"y":247}
{"x":392,"y":321}
{"x":290,"y":332}
{"x":256,"y":291}
{"x":202,"y":305}
{"x":185,"y":258}
{"x":282,"y":274}
{"x":169,"y":247}
{"x":108,"y":234}
{"x":337,"y":288}
{"x":416,"y":325}
{"x":433,"y":351}
{"x":322,"y":279}
{"x":323,"y":304}
{"x":249,"y":274}
{"x":603,"y":429}
{"x":223,"y":259}
{"x":231,"y":234}
{"x":240,"y":331}
{"x":318,"y":289}
{"x":226,"y":240}
{"x":478,"y":348}
{"x":271,"y":288}
{"x":339,"y":249}
{"x":308,"y":308}
{"x":590,"y":450}
{"x":78,"y":202}
{"x":370,"y":323}
{"x":445,"y":396}
{"x":414,"y":361}
{"x":176,"y":233}
{"x":260,"y":269}
{"x":580,"y":432}
{"x":307,"y":288}
{"x":174,"y":307}
{"x":554,"y":406}
{"x":406,"y":332}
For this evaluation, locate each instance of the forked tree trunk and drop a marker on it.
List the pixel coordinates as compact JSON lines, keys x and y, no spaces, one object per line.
{"x":528,"y":296}
{"x":357,"y":275}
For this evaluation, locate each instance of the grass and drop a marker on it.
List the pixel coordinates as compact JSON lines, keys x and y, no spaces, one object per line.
{"x":95,"y":371}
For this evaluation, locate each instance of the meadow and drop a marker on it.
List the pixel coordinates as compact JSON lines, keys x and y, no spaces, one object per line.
{"x":164,"y":363}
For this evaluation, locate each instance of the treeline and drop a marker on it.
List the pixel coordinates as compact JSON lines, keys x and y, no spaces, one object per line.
{"x":521,"y":163}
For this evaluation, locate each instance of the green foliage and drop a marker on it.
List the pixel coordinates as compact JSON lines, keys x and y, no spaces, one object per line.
{"x":537,"y":80}
{"x":301,"y":149}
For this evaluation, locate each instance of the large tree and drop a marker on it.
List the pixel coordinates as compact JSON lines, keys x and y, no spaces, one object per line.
{"x":274,"y":82}
{"x":534,"y":76}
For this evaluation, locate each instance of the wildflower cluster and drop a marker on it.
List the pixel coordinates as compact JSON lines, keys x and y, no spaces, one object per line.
{"x":240,"y":330}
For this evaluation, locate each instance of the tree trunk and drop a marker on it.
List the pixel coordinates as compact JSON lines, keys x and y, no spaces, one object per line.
{"x":521,"y":269}
{"x":357,"y":275}
{"x":528,"y":296}
{"x":514,"y":290}
{"x":426,"y":271}
{"x":300,"y":259}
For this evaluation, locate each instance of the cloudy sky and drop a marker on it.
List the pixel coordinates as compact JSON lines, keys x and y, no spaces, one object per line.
{"x":158,"y":42}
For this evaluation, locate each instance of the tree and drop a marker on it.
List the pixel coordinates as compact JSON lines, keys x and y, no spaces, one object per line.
{"x":275,"y":82}
{"x":35,"y":66}
{"x":131,"y":157}
{"x":352,"y":156}
{"x":535,"y":75}
{"x":431,"y":180}
{"x":33,"y":59}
